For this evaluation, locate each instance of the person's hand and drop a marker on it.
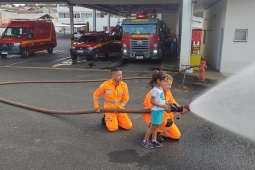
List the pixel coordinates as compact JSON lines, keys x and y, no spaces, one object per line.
{"x":177,"y":115}
{"x":184,"y":111}
{"x":164,"y":106}
{"x":98,"y":110}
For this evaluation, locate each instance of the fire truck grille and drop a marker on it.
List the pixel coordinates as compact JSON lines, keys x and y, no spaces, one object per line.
{"x":5,"y":45}
{"x":140,"y":45}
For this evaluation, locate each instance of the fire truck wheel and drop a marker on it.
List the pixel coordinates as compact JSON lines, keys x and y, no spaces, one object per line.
{"x":50,"y":50}
{"x":3,"y":55}
{"x":74,"y":57}
{"x":25,"y":52}
{"x":96,"y":56}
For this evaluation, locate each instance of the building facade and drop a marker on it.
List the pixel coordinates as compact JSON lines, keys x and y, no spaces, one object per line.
{"x":228,"y":37}
{"x":82,"y":16}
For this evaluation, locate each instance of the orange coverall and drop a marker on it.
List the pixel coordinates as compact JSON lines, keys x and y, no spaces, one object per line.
{"x":172,"y":131}
{"x":114,"y":97}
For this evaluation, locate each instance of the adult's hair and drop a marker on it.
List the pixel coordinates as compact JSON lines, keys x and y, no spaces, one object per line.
{"x":168,"y":77}
{"x":115,"y":69}
{"x":157,"y":75}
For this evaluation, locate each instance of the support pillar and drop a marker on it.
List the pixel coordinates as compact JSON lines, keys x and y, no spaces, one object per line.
{"x":94,"y":20}
{"x":71,"y":23}
{"x":109,"y":22}
{"x":185,"y":27}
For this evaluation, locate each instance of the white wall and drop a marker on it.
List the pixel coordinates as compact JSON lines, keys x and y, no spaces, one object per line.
{"x":214,"y":21}
{"x":237,"y":55}
{"x":197,"y":22}
{"x":100,"y":22}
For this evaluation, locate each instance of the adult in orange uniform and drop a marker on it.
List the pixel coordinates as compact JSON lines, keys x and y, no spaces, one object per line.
{"x":115,"y":96}
{"x":168,"y":128}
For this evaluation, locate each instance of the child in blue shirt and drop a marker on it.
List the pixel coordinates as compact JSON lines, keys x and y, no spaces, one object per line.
{"x":158,"y":79}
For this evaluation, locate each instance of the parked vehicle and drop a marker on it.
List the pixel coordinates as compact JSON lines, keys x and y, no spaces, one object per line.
{"x":116,"y":38}
{"x":91,"y":44}
{"x":28,"y":36}
{"x":78,"y":34}
{"x":143,"y":37}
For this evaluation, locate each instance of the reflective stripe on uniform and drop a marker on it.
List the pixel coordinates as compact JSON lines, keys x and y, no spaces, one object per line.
{"x":112,"y":102}
{"x":96,"y":99}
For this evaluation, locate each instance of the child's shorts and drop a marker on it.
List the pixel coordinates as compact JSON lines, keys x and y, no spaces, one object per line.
{"x":157,"y":117}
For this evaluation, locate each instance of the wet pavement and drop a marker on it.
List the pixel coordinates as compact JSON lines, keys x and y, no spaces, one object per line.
{"x":32,"y":140}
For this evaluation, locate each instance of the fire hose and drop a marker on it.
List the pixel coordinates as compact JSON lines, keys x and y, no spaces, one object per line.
{"x":172,"y":107}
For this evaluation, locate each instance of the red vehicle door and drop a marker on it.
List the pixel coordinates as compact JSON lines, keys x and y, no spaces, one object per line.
{"x":101,"y":44}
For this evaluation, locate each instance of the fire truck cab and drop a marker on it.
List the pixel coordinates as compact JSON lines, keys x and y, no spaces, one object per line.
{"x":142,"y":38}
{"x":28,"y":36}
{"x":91,"y":44}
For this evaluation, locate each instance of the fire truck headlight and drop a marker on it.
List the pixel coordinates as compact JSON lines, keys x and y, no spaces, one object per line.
{"x":155,"y":51}
{"x":124,"y":45}
{"x":72,"y":47}
{"x":90,"y":48}
{"x":124,"y":51}
{"x":155,"y":45}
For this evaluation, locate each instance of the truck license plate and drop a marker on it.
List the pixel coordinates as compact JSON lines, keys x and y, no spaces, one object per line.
{"x":4,"y":53}
{"x":79,"y":51}
{"x":139,"y":57}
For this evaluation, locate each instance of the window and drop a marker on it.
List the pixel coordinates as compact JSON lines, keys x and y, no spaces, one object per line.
{"x":241,"y":35}
{"x":86,"y":15}
{"x":63,"y":15}
{"x":14,"y":32}
{"x":100,"y":15}
{"x":67,"y":15}
{"x":140,"y":29}
{"x":30,"y":33}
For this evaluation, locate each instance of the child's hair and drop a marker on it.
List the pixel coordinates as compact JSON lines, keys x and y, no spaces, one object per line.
{"x":157,"y":75}
{"x":168,"y":77}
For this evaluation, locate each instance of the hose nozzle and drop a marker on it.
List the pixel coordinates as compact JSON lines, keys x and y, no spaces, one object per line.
{"x":174,"y":108}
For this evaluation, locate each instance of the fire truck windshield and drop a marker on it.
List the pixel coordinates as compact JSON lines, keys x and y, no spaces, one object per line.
{"x":85,"y":38}
{"x":140,"y":29}
{"x":14,"y":32}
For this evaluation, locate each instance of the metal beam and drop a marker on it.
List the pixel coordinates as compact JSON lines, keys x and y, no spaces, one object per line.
{"x":103,"y":9}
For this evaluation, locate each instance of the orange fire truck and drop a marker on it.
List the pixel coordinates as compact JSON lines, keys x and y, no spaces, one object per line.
{"x":143,"y":37}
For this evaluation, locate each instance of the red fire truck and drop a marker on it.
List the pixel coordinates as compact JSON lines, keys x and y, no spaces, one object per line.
{"x":142,"y":37}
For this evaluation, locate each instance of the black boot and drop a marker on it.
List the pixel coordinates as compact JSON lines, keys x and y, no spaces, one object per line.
{"x":159,"y":137}
{"x":103,"y":121}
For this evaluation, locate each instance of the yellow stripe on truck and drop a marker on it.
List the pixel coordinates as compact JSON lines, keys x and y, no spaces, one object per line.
{"x":140,"y":36}
{"x":39,"y":40}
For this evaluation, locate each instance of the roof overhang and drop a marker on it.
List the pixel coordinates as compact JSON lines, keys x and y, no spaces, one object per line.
{"x":125,"y":7}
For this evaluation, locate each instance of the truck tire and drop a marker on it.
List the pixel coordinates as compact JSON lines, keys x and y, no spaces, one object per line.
{"x":74,"y":58}
{"x":3,"y":55}
{"x":25,"y":52}
{"x":96,"y":56}
{"x":50,"y":50}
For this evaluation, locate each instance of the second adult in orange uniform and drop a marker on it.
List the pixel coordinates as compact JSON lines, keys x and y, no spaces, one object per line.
{"x":115,"y":96}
